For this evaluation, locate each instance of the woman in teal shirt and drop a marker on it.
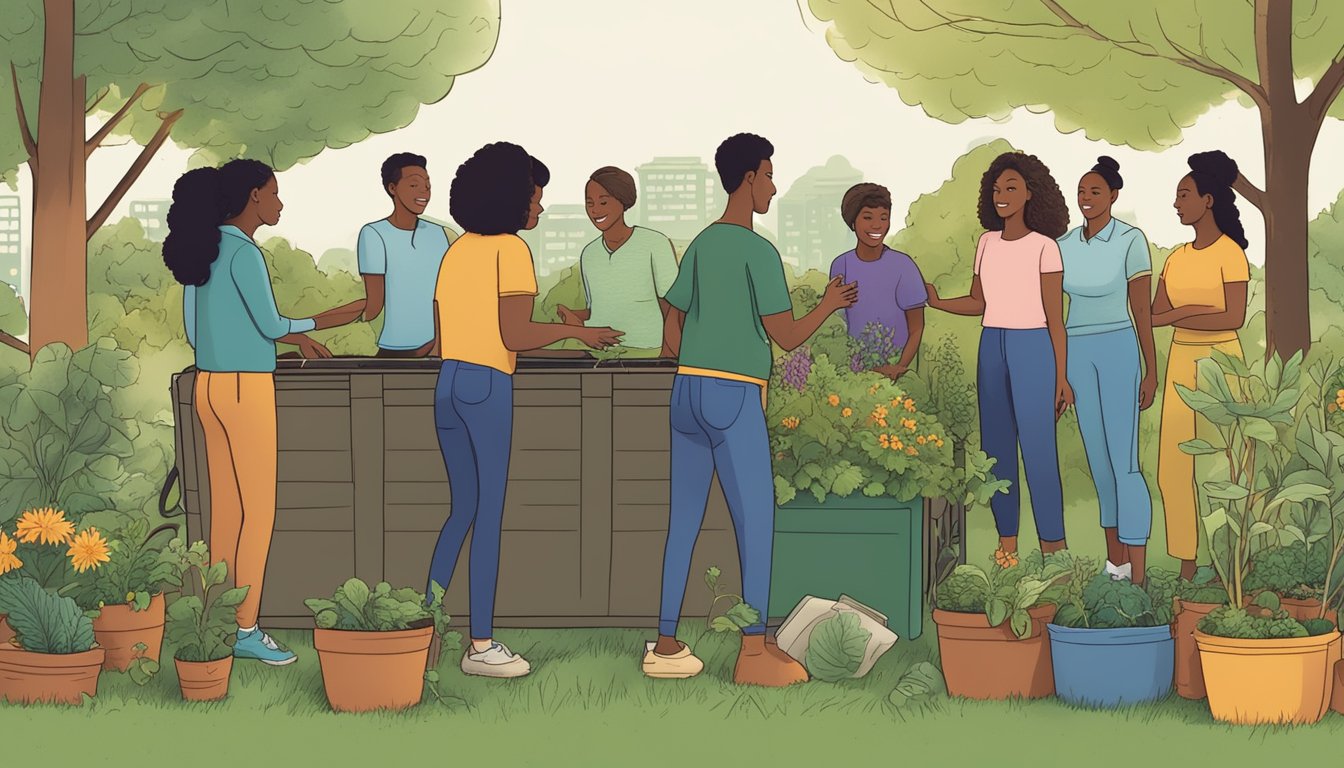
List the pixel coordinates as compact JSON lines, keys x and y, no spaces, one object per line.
{"x":1107,"y":276}
{"x":627,"y":270}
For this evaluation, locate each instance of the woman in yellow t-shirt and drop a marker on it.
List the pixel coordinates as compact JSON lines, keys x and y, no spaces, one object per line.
{"x":1202,"y":294}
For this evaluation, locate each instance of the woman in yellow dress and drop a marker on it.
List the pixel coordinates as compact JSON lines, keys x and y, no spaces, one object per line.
{"x":1202,"y":295}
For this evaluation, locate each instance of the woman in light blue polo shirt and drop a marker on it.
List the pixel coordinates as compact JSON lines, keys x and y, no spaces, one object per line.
{"x":1107,"y":276}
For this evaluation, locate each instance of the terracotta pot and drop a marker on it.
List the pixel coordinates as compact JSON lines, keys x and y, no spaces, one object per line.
{"x":364,"y":671}
{"x":1189,"y":675}
{"x":984,"y":662}
{"x":1337,"y":692}
{"x":6,"y":633}
{"x":118,"y":629}
{"x":1304,"y":609}
{"x":1280,"y":680}
{"x":58,"y":678}
{"x":204,"y":680}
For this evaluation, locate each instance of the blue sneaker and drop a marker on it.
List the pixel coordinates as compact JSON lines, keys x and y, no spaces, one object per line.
{"x":259,"y":645}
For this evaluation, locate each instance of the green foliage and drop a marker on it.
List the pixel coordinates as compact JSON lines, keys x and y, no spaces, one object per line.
{"x":62,"y":443}
{"x":142,"y":668}
{"x":1290,"y":571}
{"x":1203,"y":588}
{"x":836,"y":647}
{"x":1316,"y":627}
{"x":1107,"y":603}
{"x":1004,"y":594}
{"x":1227,"y":621}
{"x":985,"y":60}
{"x":918,"y":687}
{"x":13,"y":315}
{"x":137,"y":570}
{"x":356,"y":607}
{"x":312,"y":76}
{"x":738,"y":616}
{"x":202,"y":620}
{"x":44,"y":622}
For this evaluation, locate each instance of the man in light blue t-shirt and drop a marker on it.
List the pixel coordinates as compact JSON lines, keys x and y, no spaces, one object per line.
{"x":399,"y":258}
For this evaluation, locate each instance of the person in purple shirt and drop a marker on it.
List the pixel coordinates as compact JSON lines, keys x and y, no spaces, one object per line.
{"x":892,"y":291}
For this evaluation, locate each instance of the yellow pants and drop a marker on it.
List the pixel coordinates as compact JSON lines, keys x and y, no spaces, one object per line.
{"x":237,"y":412}
{"x":1175,"y":468}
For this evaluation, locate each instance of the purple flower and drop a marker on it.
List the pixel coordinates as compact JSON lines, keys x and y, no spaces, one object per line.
{"x":797,"y":366}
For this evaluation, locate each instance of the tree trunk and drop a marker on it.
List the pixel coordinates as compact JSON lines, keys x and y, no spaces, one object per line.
{"x":59,"y":310}
{"x":1289,"y":137}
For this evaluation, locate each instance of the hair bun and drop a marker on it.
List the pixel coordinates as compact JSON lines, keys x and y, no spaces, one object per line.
{"x":1108,"y":163}
{"x":1216,"y":165}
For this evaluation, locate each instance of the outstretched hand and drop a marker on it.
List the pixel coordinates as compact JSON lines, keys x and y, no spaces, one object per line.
{"x":312,"y":349}
{"x":840,"y":295}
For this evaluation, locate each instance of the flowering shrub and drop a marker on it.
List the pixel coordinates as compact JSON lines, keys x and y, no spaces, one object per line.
{"x":45,"y":547}
{"x":875,"y":348}
{"x":834,"y":431}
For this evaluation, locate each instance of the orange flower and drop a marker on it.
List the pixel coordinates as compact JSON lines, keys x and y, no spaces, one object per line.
{"x":884,"y":440}
{"x":1332,"y":407}
{"x":880,"y":412}
{"x":910,"y":405}
{"x":1005,"y":559}
{"x":8,"y":560}
{"x":46,"y":525}
{"x":911,"y":451}
{"x":909,"y":424}
{"x":834,"y":400}
{"x":896,"y":443}
{"x":790,"y":422}
{"x":938,"y":443}
{"x":872,"y":390}
{"x":88,"y":550}
{"x":921,"y":440}
{"x":882,"y":423}
{"x":847,"y":412}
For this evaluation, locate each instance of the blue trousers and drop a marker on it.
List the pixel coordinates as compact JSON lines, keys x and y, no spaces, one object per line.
{"x":719,"y":424}
{"x":1104,"y":372}
{"x":473,"y":411}
{"x":1016,"y":384}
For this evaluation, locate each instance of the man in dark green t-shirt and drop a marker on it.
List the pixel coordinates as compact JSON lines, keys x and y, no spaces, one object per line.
{"x":729,"y":301}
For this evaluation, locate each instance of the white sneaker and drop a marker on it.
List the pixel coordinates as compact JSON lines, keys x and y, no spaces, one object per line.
{"x":495,"y":661}
{"x":1120,"y":572}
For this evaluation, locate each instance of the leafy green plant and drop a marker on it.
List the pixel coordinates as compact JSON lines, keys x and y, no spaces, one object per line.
{"x":1203,"y":588}
{"x":142,"y":668}
{"x":136,"y":571}
{"x":739,"y":614}
{"x":1252,"y":407}
{"x":918,"y":687}
{"x":1004,"y":593}
{"x":61,"y":442}
{"x":1289,"y":571}
{"x":1106,"y":603}
{"x":357,"y":607}
{"x":836,"y":647}
{"x":202,"y":620}
{"x":44,"y":622}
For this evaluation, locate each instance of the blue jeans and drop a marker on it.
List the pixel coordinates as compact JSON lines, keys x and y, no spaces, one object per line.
{"x":473,"y":411}
{"x":719,"y":424}
{"x":1105,"y":374}
{"x":1016,"y":384}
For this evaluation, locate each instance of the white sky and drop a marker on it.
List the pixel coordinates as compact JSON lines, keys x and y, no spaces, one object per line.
{"x":582,"y":84}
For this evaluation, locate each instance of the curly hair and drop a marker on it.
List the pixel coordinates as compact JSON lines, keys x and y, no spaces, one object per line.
{"x":491,"y":193}
{"x":1214,"y":173}
{"x":862,"y":196}
{"x":394,"y":165}
{"x":203,"y":199}
{"x":1046,"y":212}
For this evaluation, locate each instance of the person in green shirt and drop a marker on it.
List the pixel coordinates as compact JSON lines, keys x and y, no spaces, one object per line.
{"x":627,"y":270}
{"x":729,"y":301}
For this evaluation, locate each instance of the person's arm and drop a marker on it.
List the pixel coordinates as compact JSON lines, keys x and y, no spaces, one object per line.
{"x":253,"y":282}
{"x":911,"y":298}
{"x":1052,"y":294}
{"x":790,"y":332}
{"x":521,"y":334}
{"x":346,"y":313}
{"x":373,"y":297}
{"x":972,"y":305}
{"x":914,"y":320}
{"x":189,"y":313}
{"x":1230,"y":317}
{"x":1140,"y":305}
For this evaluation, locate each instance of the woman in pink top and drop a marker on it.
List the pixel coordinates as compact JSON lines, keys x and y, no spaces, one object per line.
{"x":1018,"y":288}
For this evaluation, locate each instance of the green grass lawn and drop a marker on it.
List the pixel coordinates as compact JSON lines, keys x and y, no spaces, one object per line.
{"x":586,"y":704}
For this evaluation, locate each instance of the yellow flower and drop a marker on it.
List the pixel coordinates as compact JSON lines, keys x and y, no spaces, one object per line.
{"x":938,"y":443}
{"x":88,"y":550}
{"x":884,"y":440}
{"x":909,"y":424}
{"x":790,"y":422}
{"x":911,"y":451}
{"x":46,"y":525}
{"x":847,"y":412}
{"x":910,"y":405}
{"x":896,"y":443}
{"x":8,"y":560}
{"x":872,"y":390}
{"x":1005,"y":559}
{"x":882,"y":423}
{"x":130,"y":597}
{"x":834,"y":400}
{"x":921,"y":440}
{"x":880,"y":412}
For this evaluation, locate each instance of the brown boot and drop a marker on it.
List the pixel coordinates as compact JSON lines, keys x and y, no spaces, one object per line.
{"x":762,"y":663}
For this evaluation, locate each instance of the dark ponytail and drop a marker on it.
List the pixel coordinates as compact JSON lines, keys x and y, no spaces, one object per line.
{"x":1214,"y":173}
{"x":203,"y":199}
{"x":1109,"y":170}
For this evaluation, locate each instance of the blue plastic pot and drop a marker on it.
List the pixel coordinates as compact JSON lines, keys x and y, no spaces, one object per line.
{"x":1112,"y":667}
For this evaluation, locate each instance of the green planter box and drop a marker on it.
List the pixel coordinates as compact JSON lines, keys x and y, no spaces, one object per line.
{"x":870,"y":549}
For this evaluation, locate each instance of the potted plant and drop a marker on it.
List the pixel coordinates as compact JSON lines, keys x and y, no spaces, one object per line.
{"x":1260,"y":665}
{"x":201,"y":621}
{"x":1294,"y":572}
{"x":42,"y":545}
{"x":991,"y":627}
{"x":1111,"y":639}
{"x":53,"y":657}
{"x":373,"y":644}
{"x":854,"y":460}
{"x":127,"y":596}
{"x":1195,"y":598}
